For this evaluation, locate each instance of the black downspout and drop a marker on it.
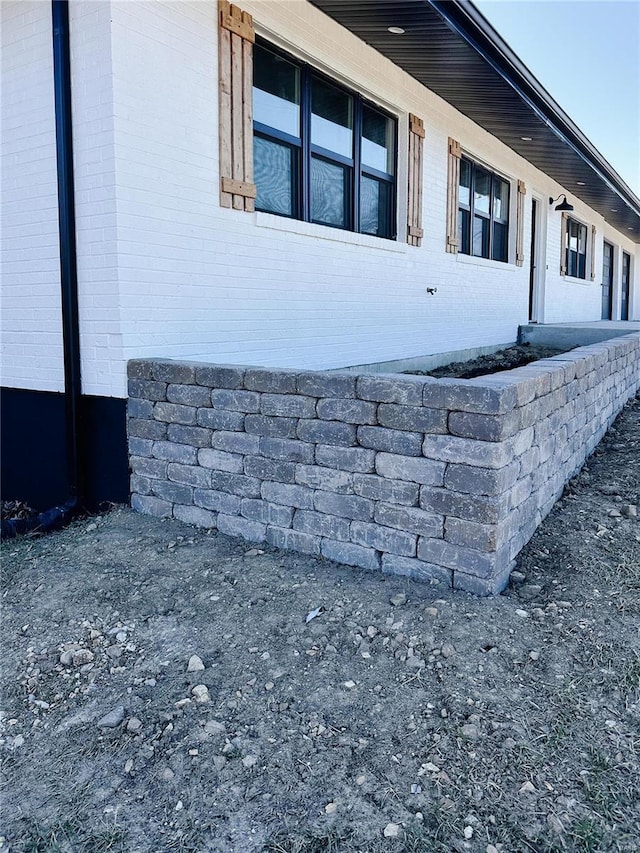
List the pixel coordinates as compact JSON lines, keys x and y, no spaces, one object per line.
{"x":68,"y":257}
{"x":55,"y":517}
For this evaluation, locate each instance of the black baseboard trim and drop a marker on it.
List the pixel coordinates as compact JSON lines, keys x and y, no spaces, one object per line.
{"x":34,"y":448}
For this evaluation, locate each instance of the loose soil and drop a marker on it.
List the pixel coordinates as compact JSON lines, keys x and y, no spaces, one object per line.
{"x":401,"y":717}
{"x":505,"y":359}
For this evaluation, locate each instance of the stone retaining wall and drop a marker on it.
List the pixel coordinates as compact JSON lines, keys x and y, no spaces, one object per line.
{"x":431,"y":478}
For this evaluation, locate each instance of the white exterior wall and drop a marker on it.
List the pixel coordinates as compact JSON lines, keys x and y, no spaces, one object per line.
{"x":165,"y":271}
{"x":30,"y":264}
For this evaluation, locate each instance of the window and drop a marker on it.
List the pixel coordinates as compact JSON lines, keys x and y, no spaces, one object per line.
{"x":321,"y":153}
{"x":576,"y":249}
{"x":483,"y":213}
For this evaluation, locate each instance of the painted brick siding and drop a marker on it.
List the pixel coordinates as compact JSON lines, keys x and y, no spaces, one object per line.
{"x":31,"y":314}
{"x":435,"y":479}
{"x":165,"y":272}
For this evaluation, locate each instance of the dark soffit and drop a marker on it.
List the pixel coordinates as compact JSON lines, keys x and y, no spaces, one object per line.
{"x":450,"y":47}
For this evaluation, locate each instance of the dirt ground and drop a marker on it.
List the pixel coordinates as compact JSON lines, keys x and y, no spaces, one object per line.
{"x":505,"y":359}
{"x":401,"y":717}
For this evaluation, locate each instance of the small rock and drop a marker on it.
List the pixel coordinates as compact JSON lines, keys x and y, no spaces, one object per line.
{"x":213,"y":727}
{"x":431,"y":611}
{"x":517,"y":577}
{"x":114,"y":652}
{"x":509,"y":743}
{"x":195,"y":664}
{"x":167,"y":774}
{"x":179,"y":806}
{"x":468,"y":832}
{"x":398,"y":600}
{"x":523,"y":614}
{"x":219,"y":762}
{"x":360,"y":780}
{"x":250,"y":760}
{"x":526,"y":788}
{"x":448,"y":650}
{"x":113,"y":719}
{"x":534,"y":655}
{"x":614,"y":513}
{"x":128,"y":765}
{"x":416,"y":789}
{"x":349,"y":685}
{"x":491,"y":849}
{"x":66,"y":658}
{"x":392,"y":830}
{"x":470,"y":730}
{"x":82,"y":656}
{"x":629,"y":511}
{"x":134,"y":725}
{"x":201,"y":693}
{"x":330,"y":808}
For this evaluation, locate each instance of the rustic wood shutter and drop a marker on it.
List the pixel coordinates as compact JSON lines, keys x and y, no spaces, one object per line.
{"x":236,"y":38}
{"x":414,"y":196}
{"x":563,"y":245}
{"x":453,"y":188}
{"x":522,"y":192}
{"x":593,"y":252}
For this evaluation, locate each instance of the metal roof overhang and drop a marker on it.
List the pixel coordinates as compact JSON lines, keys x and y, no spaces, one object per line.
{"x":450,"y":47}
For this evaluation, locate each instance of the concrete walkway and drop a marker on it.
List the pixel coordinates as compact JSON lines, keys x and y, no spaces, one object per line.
{"x":568,"y":335}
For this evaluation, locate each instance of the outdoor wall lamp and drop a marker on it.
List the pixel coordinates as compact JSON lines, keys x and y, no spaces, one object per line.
{"x":564,"y":205}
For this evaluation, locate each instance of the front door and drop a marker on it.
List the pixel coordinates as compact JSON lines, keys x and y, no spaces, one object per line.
{"x":624,"y":296}
{"x":607,"y":281}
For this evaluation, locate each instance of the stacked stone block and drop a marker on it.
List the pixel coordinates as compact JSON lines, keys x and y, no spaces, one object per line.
{"x":430,"y":478}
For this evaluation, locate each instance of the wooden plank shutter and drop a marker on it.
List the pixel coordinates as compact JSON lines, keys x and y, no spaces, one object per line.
{"x":563,"y":245}
{"x":414,"y":196}
{"x":522,"y":192}
{"x":593,"y":252}
{"x":453,"y":184}
{"x":236,"y":38}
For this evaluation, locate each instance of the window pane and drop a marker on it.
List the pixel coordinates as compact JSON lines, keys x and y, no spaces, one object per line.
{"x":482,"y":190}
{"x":465,"y":182}
{"x":328,"y":190}
{"x":375,"y":203}
{"x":480,"y":237}
{"x":276,"y":92}
{"x":572,"y":231}
{"x":463,"y":232}
{"x":572,"y":266}
{"x":377,"y":141}
{"x":272,"y":164}
{"x":582,"y":239}
{"x":500,"y":199}
{"x":332,"y":118}
{"x":500,"y":249}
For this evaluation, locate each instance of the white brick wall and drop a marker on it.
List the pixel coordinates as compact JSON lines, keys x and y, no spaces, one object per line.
{"x":164,"y":271}
{"x":30,"y":263}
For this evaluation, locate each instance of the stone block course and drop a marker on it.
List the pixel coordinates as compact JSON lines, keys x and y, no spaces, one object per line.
{"x":327,"y":432}
{"x":438,"y":480}
{"x":347,"y":411}
{"x":411,"y":469}
{"x":346,"y":458}
{"x":288,"y":405}
{"x":390,"y":440}
{"x":220,"y":419}
{"x":235,"y":401}
{"x":189,"y":395}
{"x":173,"y":413}
{"x":412,"y":418}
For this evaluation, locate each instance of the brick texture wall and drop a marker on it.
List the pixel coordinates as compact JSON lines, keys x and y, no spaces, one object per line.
{"x":442,"y":479}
